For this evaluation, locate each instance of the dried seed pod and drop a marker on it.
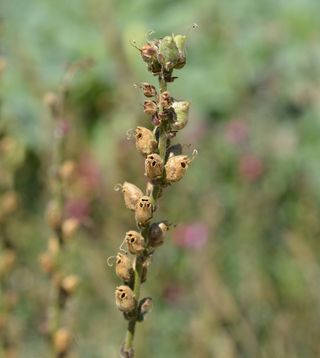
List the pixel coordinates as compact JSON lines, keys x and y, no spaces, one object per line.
{"x":125,"y":299}
{"x":150,"y":107}
{"x":144,"y":211}
{"x":165,"y":100}
{"x":131,"y":194}
{"x":176,"y":167}
{"x":168,"y":53}
{"x":181,"y":109}
{"x":123,"y":267}
{"x":135,"y":242}
{"x":149,"y":52}
{"x":47,"y":262}
{"x":62,"y":341}
{"x":148,"y":90}
{"x":67,"y":170}
{"x":145,"y":141}
{"x":54,"y":214}
{"x":145,"y":306}
{"x":70,"y":283}
{"x":153,"y":166}
{"x":157,"y":232}
{"x":69,"y":227}
{"x":180,"y":41}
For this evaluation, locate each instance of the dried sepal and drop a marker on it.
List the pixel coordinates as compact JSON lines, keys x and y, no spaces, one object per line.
{"x":123,"y":267}
{"x":181,"y":109}
{"x":165,"y":100}
{"x":145,"y":141}
{"x":135,"y":242}
{"x":144,"y":211}
{"x":145,"y":307}
{"x":148,"y":90}
{"x":157,"y":232}
{"x":168,"y":53}
{"x":125,"y":299}
{"x":153,"y":166}
{"x":176,"y":167}
{"x":150,"y":107}
{"x":131,"y":194}
{"x":180,"y":41}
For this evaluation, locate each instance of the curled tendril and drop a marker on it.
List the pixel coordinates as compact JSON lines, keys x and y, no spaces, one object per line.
{"x":109,"y":263}
{"x":118,"y":187}
{"x":130,"y":133}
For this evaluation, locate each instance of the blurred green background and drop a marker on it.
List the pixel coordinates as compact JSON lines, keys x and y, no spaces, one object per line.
{"x":239,"y":276}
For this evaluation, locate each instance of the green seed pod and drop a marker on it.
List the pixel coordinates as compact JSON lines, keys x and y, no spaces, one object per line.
{"x":180,"y":41}
{"x":145,"y":141}
{"x":150,"y":107}
{"x":168,"y":54}
{"x":144,"y":211}
{"x":131,"y":194}
{"x":125,"y":299}
{"x":135,"y":242}
{"x":181,"y":109}
{"x":153,"y":166}
{"x":176,"y":167}
{"x":157,"y":232}
{"x":123,"y":267}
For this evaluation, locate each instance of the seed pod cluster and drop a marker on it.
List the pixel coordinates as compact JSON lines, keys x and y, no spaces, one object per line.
{"x":164,"y":165}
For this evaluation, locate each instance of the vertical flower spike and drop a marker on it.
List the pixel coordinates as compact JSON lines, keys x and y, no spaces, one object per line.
{"x":164,"y":164}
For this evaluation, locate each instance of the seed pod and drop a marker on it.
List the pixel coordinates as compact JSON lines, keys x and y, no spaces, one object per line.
{"x":70,"y":227}
{"x":176,"y":167}
{"x":135,"y":242}
{"x":153,"y":166}
{"x":168,"y":54}
{"x":144,"y":211}
{"x":149,"y":53}
{"x":54,"y":215}
{"x":150,"y":107}
{"x":69,"y":284}
{"x":62,"y":341}
{"x":180,"y":41}
{"x":181,"y":109}
{"x":145,"y":141}
{"x":67,"y":170}
{"x":131,"y":194}
{"x":165,"y":100}
{"x":157,"y":232}
{"x":149,"y":90}
{"x":123,"y":267}
{"x":125,"y":299}
{"x":47,"y":262}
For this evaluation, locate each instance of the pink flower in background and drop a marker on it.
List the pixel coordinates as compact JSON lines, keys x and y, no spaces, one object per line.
{"x":172,"y":293}
{"x":236,"y":131}
{"x":192,"y":236}
{"x":251,"y":167}
{"x":63,"y":128}
{"x":89,"y":173}
{"x":78,"y":208}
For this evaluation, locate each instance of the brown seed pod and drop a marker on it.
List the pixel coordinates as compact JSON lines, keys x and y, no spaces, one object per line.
{"x":150,"y":107}
{"x":47,"y":262}
{"x":144,"y":211}
{"x":148,"y":53}
{"x":145,"y":141}
{"x":135,"y":242}
{"x":123,"y":267}
{"x":165,"y":100}
{"x":176,"y":167}
{"x":70,"y":283}
{"x":157,"y":232}
{"x":70,"y":227}
{"x":125,"y":299}
{"x":62,"y":340}
{"x":148,"y":90}
{"x":131,"y":194}
{"x":153,"y":166}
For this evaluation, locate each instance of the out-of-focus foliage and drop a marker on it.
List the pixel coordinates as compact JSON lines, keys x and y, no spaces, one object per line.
{"x":239,"y":275}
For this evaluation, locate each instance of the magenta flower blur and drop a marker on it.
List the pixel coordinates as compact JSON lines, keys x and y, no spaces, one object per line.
{"x":236,"y":131}
{"x":192,"y":236}
{"x":63,"y":128}
{"x":251,"y":167}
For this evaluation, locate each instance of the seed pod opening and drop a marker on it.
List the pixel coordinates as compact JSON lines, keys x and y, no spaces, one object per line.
{"x":157,"y":232}
{"x":145,"y":141}
{"x":181,"y":109}
{"x":125,"y":298}
{"x":153,"y":166}
{"x":123,"y":267}
{"x":144,"y":211}
{"x":135,"y":242}
{"x":131,"y":194}
{"x":176,"y":167}
{"x":150,"y":107}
